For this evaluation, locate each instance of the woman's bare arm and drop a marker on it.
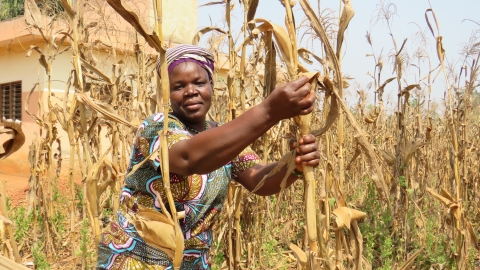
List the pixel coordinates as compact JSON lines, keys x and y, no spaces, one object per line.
{"x":211,"y":149}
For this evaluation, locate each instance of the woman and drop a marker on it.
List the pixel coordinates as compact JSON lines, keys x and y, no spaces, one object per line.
{"x":203,"y":158}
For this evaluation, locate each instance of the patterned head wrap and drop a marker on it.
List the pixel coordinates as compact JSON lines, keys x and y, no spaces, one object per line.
{"x":188,"y":53}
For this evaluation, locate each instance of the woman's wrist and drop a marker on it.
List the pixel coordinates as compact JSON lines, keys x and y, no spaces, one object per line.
{"x":297,"y":173}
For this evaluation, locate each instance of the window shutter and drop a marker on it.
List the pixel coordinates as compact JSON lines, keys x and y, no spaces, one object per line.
{"x":11,"y":100}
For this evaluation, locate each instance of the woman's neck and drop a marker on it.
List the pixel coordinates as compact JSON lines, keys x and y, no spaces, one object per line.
{"x":194,"y":127}
{"x":197,"y":127}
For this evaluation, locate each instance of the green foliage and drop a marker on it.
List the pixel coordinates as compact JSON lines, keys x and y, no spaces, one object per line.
{"x":58,"y":222}
{"x":270,"y":251}
{"x":471,"y":258}
{"x":378,"y":245}
{"x":218,"y":258}
{"x":9,"y":204}
{"x":10,"y":9}
{"x":59,"y":217}
{"x":85,"y":241}
{"x":436,"y":246}
{"x":331,"y":201}
{"x":23,"y":224}
{"x":386,"y":253}
{"x":402,"y":181}
{"x":57,"y":196}
{"x":79,"y":197}
{"x":39,"y":258}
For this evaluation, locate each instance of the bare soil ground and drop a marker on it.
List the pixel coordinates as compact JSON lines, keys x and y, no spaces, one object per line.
{"x":17,"y":188}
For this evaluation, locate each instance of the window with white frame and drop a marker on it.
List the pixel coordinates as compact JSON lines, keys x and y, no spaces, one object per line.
{"x":11,"y":100}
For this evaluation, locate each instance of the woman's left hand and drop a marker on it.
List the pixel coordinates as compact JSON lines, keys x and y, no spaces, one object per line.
{"x":306,"y":152}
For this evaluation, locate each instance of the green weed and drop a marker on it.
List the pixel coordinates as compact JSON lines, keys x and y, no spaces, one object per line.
{"x":39,"y":258}
{"x":23,"y":224}
{"x":85,"y":241}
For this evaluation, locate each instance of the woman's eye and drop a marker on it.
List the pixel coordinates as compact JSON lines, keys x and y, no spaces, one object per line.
{"x":178,"y":87}
{"x":201,"y":83}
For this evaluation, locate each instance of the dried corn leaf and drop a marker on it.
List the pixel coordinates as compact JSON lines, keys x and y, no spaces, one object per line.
{"x":282,"y":39}
{"x":13,"y":129}
{"x":214,"y":3}
{"x":448,"y":201}
{"x":361,"y":138}
{"x":334,"y":111}
{"x":291,"y":2}
{"x":473,"y":237}
{"x":38,"y":121}
{"x":270,"y":65}
{"x":355,"y":155}
{"x":93,"y":69}
{"x":310,"y":75}
{"x":305,"y":55}
{"x":252,"y":9}
{"x":42,"y":60}
{"x":345,"y":215}
{"x":82,"y":97}
{"x":382,"y":87}
{"x":33,"y":15}
{"x":357,"y":235}
{"x":155,"y":228}
{"x":389,"y":158}
{"x":347,"y":15}
{"x":299,"y":255}
{"x":320,"y":31}
{"x":203,"y":31}
{"x":132,"y":18}
{"x":409,"y":262}
{"x":439,"y":45}
{"x":401,"y":47}
{"x":369,"y":120}
{"x":407,"y":89}
{"x":68,"y":7}
{"x":440,"y":49}
{"x":288,"y":159}
{"x":410,"y":148}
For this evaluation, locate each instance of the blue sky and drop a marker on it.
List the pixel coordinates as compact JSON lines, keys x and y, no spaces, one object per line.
{"x":408,"y":21}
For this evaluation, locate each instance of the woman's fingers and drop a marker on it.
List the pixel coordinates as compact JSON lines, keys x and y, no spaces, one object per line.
{"x":307,"y":151}
{"x":311,"y":159}
{"x":310,"y":162}
{"x":307,"y":139}
{"x":308,"y":103}
{"x":303,"y":94}
{"x":299,"y":83}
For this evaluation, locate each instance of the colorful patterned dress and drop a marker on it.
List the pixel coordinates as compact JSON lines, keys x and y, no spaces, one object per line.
{"x":200,"y":196}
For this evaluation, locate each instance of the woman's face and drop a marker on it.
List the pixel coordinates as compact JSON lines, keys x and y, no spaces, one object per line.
{"x":190,"y":92}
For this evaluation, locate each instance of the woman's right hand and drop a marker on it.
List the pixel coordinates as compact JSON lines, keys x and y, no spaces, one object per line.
{"x":290,"y":99}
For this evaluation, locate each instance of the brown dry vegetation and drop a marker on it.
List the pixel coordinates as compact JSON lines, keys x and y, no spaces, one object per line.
{"x":393,"y":191}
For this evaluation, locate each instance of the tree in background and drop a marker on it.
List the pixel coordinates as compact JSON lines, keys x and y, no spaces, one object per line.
{"x":10,"y":9}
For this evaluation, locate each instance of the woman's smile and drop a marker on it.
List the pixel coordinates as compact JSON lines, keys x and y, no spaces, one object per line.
{"x":192,"y":106}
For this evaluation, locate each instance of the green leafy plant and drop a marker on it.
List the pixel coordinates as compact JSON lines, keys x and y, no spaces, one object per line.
{"x":23,"y":224}
{"x":39,"y":258}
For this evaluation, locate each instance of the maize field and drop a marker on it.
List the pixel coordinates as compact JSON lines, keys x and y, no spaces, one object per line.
{"x":396,"y":188}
